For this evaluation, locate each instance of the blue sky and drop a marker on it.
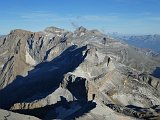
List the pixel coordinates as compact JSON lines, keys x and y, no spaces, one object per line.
{"x":123,"y":16}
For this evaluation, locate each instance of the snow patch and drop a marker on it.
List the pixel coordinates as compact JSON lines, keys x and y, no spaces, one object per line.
{"x":59,"y":35}
{"x":3,"y":53}
{"x":82,"y":34}
{"x":57,"y":31}
{"x":2,"y":65}
{"x":29,"y":59}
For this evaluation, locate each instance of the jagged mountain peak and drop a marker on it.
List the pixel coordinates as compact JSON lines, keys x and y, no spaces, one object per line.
{"x":19,"y":31}
{"x":53,"y":29}
{"x":81,"y":29}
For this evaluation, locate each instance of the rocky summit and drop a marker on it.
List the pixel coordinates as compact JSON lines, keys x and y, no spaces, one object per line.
{"x":83,"y":75}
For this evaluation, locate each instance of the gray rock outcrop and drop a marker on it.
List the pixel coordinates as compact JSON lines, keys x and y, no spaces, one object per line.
{"x":57,"y":74}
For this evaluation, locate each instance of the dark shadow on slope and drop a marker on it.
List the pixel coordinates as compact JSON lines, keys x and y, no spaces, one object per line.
{"x":43,"y":111}
{"x":78,"y":88}
{"x":156,"y":72}
{"x":85,"y":109}
{"x":50,"y":111}
{"x":134,"y":111}
{"x":134,"y":107}
{"x":43,"y":80}
{"x":47,"y":53}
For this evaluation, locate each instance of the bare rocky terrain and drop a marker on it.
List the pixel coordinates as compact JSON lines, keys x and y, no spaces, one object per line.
{"x":58,"y":74}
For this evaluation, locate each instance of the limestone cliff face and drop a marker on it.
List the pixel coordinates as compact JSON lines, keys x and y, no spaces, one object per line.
{"x":22,"y":50}
{"x":13,"y":57}
{"x":63,"y":75}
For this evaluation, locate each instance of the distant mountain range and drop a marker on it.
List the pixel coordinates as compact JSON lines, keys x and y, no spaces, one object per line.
{"x":151,"y":42}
